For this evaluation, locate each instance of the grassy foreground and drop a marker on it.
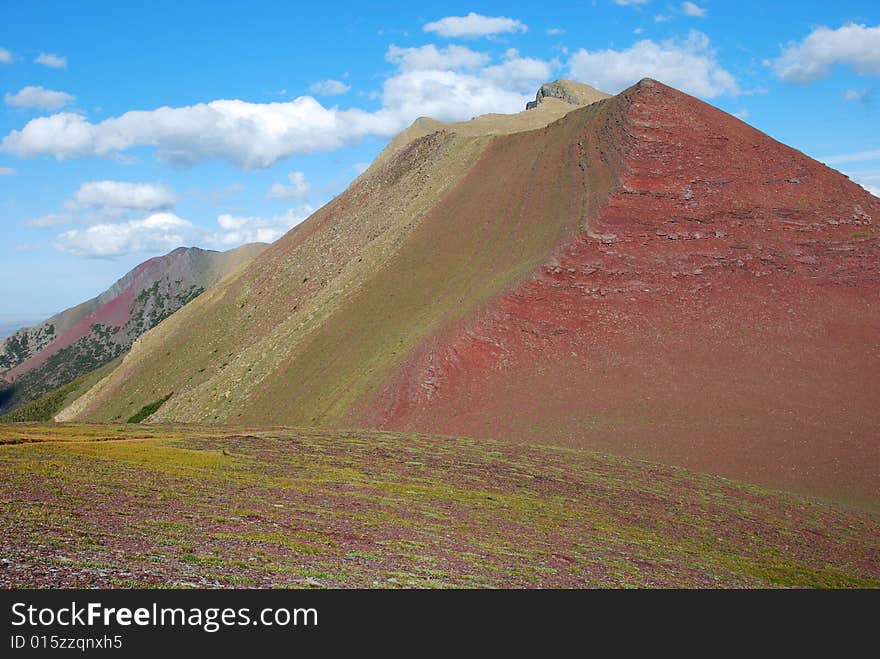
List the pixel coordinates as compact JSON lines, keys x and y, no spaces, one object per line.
{"x":123,"y":506}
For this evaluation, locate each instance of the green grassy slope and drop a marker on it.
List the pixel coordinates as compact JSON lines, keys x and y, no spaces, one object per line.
{"x":212,"y":507}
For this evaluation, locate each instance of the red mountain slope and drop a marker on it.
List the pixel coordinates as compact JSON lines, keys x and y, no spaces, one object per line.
{"x":720,"y":311}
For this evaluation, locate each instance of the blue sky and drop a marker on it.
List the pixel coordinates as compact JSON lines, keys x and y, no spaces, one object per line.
{"x":127,"y":130}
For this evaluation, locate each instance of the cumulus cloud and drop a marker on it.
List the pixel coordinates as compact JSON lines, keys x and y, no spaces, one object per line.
{"x":38,"y":97}
{"x":430,"y":57}
{"x":813,"y":58}
{"x":236,"y":230}
{"x":159,"y":232}
{"x":328,"y":87}
{"x":99,"y":201}
{"x":474,"y":25}
{"x":120,"y":195}
{"x":521,"y":73}
{"x":456,"y":83}
{"x":162,"y":232}
{"x":296,"y":188}
{"x":689,"y":65}
{"x":250,"y":135}
{"x":691,"y":9}
{"x":451,"y":84}
{"x":5,"y":56}
{"x":742,"y":113}
{"x":7,"y":171}
{"x":448,"y":95}
{"x":52,"y":61}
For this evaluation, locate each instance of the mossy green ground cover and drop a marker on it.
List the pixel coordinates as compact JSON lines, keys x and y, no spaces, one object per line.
{"x":119,"y":506}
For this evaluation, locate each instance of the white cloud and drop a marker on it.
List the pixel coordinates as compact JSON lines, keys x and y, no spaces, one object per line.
{"x":7,"y":171}
{"x":868,"y":180}
{"x":456,"y":83}
{"x":328,"y":87}
{"x":162,"y":232}
{"x":742,"y":113}
{"x":689,"y":65}
{"x":661,"y":18}
{"x":297,"y":188}
{"x":430,"y":57}
{"x":159,"y":232}
{"x":638,"y":30}
{"x":5,"y":56}
{"x":38,"y":97}
{"x":554,"y":31}
{"x":360,"y":167}
{"x":98,"y":201}
{"x":250,"y":135}
{"x":51,"y":220}
{"x":448,"y":95}
{"x":519,"y":73}
{"x":629,"y":3}
{"x":859,"y":95}
{"x":474,"y":25}
{"x":450,"y":84}
{"x":109,"y":196}
{"x":823,"y":48}
{"x":236,"y":230}
{"x":859,"y":156}
{"x":52,"y":61}
{"x":691,"y":9}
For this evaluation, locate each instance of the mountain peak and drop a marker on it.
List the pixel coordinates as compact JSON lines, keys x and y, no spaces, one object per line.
{"x":568,"y":91}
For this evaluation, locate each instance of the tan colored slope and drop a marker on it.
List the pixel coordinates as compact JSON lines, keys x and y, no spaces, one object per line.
{"x":549,"y":106}
{"x":313,"y":325}
{"x":217,"y":350}
{"x":231,"y":261}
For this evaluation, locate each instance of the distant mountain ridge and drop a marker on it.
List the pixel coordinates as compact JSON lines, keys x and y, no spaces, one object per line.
{"x":36,"y":360}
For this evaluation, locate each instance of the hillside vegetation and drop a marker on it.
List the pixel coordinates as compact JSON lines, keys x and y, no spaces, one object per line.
{"x":37,"y":361}
{"x":158,"y":506}
{"x":46,"y":407}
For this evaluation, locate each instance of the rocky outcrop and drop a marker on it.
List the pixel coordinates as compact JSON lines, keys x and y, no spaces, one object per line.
{"x":568,"y":91}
